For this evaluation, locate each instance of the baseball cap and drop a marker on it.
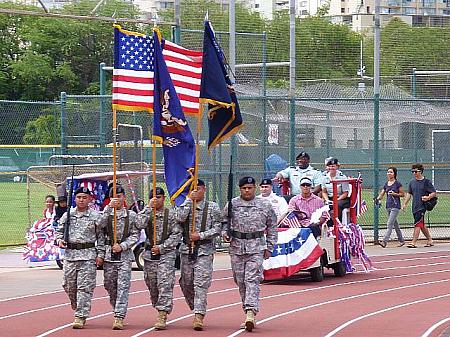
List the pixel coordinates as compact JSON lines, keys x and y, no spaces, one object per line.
{"x":305,"y":180}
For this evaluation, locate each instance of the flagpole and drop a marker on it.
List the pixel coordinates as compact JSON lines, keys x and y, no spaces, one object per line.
{"x":114,"y":153}
{"x":154,"y":189}
{"x":197,"y":156}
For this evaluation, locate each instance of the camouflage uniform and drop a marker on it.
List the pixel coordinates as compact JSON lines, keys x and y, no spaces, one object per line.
{"x":117,"y":274}
{"x":80,"y":269}
{"x":256,"y":215}
{"x":196,"y":275}
{"x":159,"y":274}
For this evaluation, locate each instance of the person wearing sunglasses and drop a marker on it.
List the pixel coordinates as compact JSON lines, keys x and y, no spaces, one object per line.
{"x":420,"y":189}
{"x":394,"y":191}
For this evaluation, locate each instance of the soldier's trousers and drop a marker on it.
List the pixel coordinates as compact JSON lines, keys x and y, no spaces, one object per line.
{"x":117,"y":278}
{"x":248,"y":273}
{"x":159,"y":277}
{"x":79,"y":283}
{"x":195,"y":280}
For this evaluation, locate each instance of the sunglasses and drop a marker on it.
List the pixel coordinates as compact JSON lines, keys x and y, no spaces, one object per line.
{"x":415,"y":171}
{"x":304,"y":185}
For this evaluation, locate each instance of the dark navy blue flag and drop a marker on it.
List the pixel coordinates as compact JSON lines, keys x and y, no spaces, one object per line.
{"x":224,"y":116}
{"x":170,"y":128}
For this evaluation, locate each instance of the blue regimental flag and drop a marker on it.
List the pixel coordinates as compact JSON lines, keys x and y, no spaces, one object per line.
{"x":170,"y":128}
{"x":224,"y":116}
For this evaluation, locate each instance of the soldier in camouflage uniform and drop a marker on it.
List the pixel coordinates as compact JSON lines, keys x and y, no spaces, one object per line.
{"x":251,"y":218}
{"x":118,"y":257}
{"x":159,"y":259}
{"x":80,"y":259}
{"x":197,"y":261}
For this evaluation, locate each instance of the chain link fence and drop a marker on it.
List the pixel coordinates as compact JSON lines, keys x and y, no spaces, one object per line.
{"x":330,"y":115}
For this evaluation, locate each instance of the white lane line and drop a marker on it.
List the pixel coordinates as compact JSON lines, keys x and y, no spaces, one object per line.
{"x":130,"y":308}
{"x":433,"y":327}
{"x":94,"y":299}
{"x":296,"y":292}
{"x":271,"y":296}
{"x":342,"y":299}
{"x":51,"y":292}
{"x":343,"y":326}
{"x":61,"y":291}
{"x":304,"y":290}
{"x":414,"y":259}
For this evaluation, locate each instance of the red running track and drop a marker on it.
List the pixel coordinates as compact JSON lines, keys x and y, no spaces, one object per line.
{"x":407,"y":295}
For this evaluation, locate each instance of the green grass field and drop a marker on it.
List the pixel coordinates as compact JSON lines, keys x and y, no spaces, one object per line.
{"x":14,"y":211}
{"x":439,"y":216}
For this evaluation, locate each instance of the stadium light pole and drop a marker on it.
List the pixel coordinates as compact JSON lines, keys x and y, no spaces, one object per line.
{"x":292,"y":81}
{"x":376,"y":112}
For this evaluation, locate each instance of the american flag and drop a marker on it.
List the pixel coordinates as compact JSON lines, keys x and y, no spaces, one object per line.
{"x":133,"y":72}
{"x":360,"y":204}
{"x":362,"y":209}
{"x":290,"y":221}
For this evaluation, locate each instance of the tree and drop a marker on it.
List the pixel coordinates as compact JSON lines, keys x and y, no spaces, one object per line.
{"x":43,"y":130}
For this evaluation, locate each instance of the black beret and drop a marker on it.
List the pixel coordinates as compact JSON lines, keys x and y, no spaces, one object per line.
{"x":266,"y":181}
{"x":159,"y":191}
{"x":200,"y":182}
{"x":119,"y":189}
{"x":82,"y":189}
{"x":332,"y":161}
{"x":302,"y":154}
{"x":247,"y":180}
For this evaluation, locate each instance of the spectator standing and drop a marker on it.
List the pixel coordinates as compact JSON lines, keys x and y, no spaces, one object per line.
{"x":394,"y":191}
{"x":420,"y":189}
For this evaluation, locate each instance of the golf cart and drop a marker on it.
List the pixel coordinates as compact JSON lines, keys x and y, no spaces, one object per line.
{"x":298,"y":249}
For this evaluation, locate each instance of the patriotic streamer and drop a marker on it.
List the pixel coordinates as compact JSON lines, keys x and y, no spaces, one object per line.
{"x":40,"y":242}
{"x":352,"y":243}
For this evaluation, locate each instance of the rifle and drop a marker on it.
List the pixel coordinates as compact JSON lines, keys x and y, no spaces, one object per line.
{"x":229,"y":197}
{"x":69,"y":205}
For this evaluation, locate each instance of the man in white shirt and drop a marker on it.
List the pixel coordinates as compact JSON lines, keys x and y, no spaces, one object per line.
{"x":278,"y":203}
{"x":301,"y":170}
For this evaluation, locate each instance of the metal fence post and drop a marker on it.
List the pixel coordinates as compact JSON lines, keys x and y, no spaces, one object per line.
{"x":264,"y":92}
{"x":176,"y":30}
{"x":101,"y":126}
{"x":292,"y":86}
{"x":63,"y":102}
{"x":376,"y":114}
{"x":414,"y":94}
